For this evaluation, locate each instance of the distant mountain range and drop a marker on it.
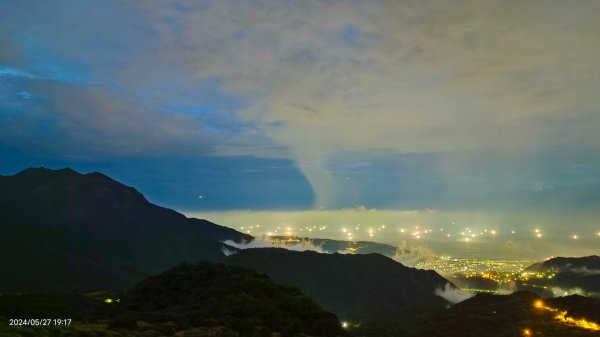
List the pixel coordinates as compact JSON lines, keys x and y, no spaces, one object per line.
{"x":350,"y":285}
{"x":586,"y":264}
{"x":63,"y":229}
{"x":345,"y":246}
{"x":565,"y":275}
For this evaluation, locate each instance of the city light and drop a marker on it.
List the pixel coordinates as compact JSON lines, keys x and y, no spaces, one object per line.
{"x":501,"y":271}
{"x":561,"y":316}
{"x":421,"y":233}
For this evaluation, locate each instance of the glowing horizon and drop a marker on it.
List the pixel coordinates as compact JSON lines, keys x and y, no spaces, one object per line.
{"x":444,"y":232}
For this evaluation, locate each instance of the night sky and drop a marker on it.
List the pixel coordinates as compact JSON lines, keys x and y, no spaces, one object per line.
{"x":482,"y":113}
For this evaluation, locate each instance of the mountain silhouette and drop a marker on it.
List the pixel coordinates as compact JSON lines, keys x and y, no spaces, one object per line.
{"x":335,"y":246}
{"x":571,"y":274}
{"x":63,"y":230}
{"x":199,"y":299}
{"x":218,"y":295}
{"x":567,"y":263}
{"x":350,"y":285}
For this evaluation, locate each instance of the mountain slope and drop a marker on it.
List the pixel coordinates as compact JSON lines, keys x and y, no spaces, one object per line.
{"x":348,"y":285}
{"x":62,"y":229}
{"x":568,"y":263}
{"x":220,"y":295}
{"x":567,"y":275}
{"x":335,"y":246}
{"x":519,"y":314}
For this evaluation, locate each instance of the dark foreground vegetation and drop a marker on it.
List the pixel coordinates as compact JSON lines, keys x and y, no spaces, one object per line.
{"x":203,"y":299}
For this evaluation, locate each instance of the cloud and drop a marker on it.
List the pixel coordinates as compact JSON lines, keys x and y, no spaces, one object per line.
{"x":92,"y":120}
{"x":409,"y":254}
{"x":560,"y":292}
{"x":465,"y":80}
{"x":585,"y":271}
{"x":452,"y":294}
{"x":346,"y":252}
{"x":506,"y":288}
{"x":460,"y":77}
{"x":105,"y":121}
{"x":296,"y":246}
{"x":105,"y":90}
{"x":227,"y":251}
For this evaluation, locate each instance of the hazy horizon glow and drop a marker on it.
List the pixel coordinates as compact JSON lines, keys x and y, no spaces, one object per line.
{"x":446,"y":233}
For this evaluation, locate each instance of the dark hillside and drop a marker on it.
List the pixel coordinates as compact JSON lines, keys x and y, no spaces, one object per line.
{"x":347,"y":284}
{"x":60,"y":229}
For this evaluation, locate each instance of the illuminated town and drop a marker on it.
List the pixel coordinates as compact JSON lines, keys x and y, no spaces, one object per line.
{"x":503,"y":273}
{"x":489,"y":268}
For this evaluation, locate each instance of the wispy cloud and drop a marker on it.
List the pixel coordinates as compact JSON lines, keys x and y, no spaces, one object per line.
{"x":585,"y":271}
{"x":452,"y":294}
{"x":409,"y":254}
